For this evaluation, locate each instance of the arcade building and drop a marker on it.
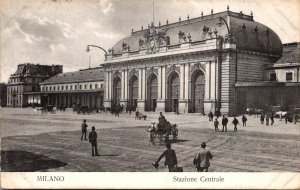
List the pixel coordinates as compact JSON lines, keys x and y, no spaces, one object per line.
{"x":191,"y":66}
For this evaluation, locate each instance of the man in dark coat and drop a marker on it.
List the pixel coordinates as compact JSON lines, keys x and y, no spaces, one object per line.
{"x":272,"y":118}
{"x":262,"y":118}
{"x":216,"y":124}
{"x":235,"y":123}
{"x":93,"y":141}
{"x":210,"y":116}
{"x":170,"y":158}
{"x":84,"y":129}
{"x":244,"y":120}
{"x":224,"y":123}
{"x":201,"y":160}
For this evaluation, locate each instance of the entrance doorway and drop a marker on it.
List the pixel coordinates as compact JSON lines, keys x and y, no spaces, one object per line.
{"x":117,"y":90}
{"x":173,"y":92}
{"x":152,"y":91}
{"x":198,"y":88}
{"x":133,"y":91}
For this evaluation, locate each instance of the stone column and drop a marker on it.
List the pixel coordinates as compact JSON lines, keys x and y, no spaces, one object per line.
{"x":159,"y":84}
{"x":161,"y":102}
{"x":142,"y":89}
{"x":108,"y":98}
{"x":126,"y":84}
{"x":210,"y":82}
{"x":123,"y":101}
{"x":183,"y":103}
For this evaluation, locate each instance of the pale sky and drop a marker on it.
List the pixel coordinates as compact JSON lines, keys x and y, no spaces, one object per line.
{"x":58,"y":31}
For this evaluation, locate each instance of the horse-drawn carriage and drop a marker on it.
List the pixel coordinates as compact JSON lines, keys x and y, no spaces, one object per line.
{"x":48,"y":109}
{"x":84,"y":110}
{"x":163,"y":131}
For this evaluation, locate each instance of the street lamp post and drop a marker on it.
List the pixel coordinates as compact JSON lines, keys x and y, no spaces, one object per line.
{"x":88,"y":49}
{"x":220,"y":23}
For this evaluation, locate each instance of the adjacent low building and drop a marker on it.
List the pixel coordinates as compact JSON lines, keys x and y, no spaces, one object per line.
{"x":3,"y":94}
{"x":27,"y":79}
{"x":281,"y":86}
{"x":83,"y":87}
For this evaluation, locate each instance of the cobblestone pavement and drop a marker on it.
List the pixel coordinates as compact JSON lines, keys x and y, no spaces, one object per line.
{"x":51,"y":142}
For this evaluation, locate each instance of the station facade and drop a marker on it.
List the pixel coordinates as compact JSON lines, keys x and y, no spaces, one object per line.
{"x":190,"y":66}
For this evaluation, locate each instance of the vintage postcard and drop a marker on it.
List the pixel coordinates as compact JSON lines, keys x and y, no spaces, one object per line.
{"x":150,"y":94}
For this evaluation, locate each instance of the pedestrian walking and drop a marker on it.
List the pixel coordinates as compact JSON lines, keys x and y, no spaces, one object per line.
{"x":267,"y":120}
{"x":244,"y":120}
{"x":262,"y":118}
{"x":93,"y":141}
{"x":216,"y":124}
{"x":235,"y":123}
{"x":201,"y":160}
{"x":224,"y":123}
{"x":295,"y":118}
{"x":210,"y":116}
{"x":137,"y":114}
{"x":272,"y":119}
{"x":84,"y":127}
{"x":170,"y":158}
{"x":286,"y":118}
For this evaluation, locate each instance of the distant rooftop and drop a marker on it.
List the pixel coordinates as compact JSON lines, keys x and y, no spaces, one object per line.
{"x":84,"y":75}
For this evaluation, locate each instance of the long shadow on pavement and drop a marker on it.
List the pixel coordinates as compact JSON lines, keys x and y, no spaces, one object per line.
{"x":22,"y":161}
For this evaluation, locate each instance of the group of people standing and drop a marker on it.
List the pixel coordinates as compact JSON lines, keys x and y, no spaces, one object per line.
{"x":201,"y":160}
{"x":267,"y":117}
{"x":225,"y":121}
{"x":92,"y":137}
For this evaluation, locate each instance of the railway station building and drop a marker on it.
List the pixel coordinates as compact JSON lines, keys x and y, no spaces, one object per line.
{"x":190,"y":66}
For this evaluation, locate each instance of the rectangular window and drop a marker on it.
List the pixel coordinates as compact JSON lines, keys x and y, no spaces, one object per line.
{"x":289,"y":76}
{"x":91,"y":86}
{"x":96,"y":86}
{"x":273,"y":77}
{"x":75,"y":87}
{"x":53,"y":87}
{"x":101,"y":85}
{"x":50,"y":88}
{"x":80,"y":87}
{"x":85,"y":86}
{"x":66,"y":87}
{"x":47,"y":88}
{"x":42,"y":88}
{"x":71,"y":87}
{"x":57,"y":87}
{"x":62,"y":87}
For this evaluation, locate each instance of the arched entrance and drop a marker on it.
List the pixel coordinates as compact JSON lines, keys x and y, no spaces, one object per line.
{"x":197,"y":89}
{"x":152,"y":90}
{"x":117,"y":90}
{"x":133,"y":91}
{"x":173,"y":85}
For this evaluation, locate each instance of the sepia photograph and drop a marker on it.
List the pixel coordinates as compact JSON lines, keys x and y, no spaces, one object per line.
{"x":127,"y":91}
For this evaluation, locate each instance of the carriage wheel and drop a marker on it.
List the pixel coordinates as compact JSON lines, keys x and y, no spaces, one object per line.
{"x":167,"y":138}
{"x":175,"y":135}
{"x":152,"y":136}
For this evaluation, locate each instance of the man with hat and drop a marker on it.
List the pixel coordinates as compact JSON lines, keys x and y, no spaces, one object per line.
{"x":170,"y":158}
{"x":93,"y":141}
{"x":201,"y":160}
{"x":83,"y":129}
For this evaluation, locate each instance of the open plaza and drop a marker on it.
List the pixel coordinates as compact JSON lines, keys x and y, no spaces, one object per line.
{"x":32,"y":141}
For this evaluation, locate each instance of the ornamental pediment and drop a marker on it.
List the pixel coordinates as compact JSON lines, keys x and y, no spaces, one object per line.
{"x":154,"y":39}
